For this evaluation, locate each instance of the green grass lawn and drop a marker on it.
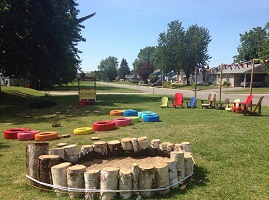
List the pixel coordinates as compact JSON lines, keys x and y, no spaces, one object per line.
{"x":230,"y":150}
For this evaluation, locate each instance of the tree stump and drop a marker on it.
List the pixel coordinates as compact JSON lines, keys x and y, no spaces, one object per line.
{"x":155,"y":143}
{"x":92,"y":181}
{"x":135,"y":170}
{"x":179,"y":157}
{"x":143,"y":143}
{"x":109,"y":181}
{"x":188,"y":160}
{"x":125,"y":183}
{"x":59,"y":176}
{"x":135,"y":144}
{"x":178,"y":147}
{"x":75,"y":179}
{"x":71,"y":153}
{"x":172,"y":171}
{"x":45,"y":162}
{"x":33,"y":151}
{"x":170,"y":146}
{"x":100,"y":147}
{"x":86,"y":153}
{"x":57,"y":151}
{"x":127,"y":144}
{"x":162,"y":177}
{"x":163,"y":149}
{"x":114,"y":148}
{"x":186,"y":147}
{"x":146,"y":179}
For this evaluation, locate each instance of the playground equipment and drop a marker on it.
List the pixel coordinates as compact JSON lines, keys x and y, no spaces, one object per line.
{"x":87,"y":95}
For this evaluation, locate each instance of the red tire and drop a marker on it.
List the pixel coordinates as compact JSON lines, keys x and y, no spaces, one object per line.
{"x":105,"y":125}
{"x":45,"y":136}
{"x":123,"y":121}
{"x":27,"y":135}
{"x":11,"y":133}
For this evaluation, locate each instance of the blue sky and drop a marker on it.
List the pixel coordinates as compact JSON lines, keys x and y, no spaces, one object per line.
{"x":121,"y":28}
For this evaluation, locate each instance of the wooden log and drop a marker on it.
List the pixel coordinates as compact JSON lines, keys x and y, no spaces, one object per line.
{"x":100,"y":147}
{"x":179,"y":157}
{"x":170,"y":146}
{"x":109,"y":181}
{"x":143,"y":143}
{"x":92,"y":181}
{"x":86,"y":153}
{"x":155,"y":143}
{"x":33,"y":151}
{"x":188,"y":160}
{"x":178,"y":147}
{"x":75,"y":179}
{"x":135,"y":170}
{"x":163,"y":146}
{"x":57,"y":151}
{"x":45,"y":162}
{"x":86,"y":148}
{"x":172,"y":171}
{"x":186,"y":146}
{"x":162,"y":177}
{"x":135,"y":144}
{"x":125,"y":183}
{"x":146,"y":179}
{"x":59,"y":176}
{"x":71,"y":153}
{"x":114,"y":148}
{"x":127,"y":144}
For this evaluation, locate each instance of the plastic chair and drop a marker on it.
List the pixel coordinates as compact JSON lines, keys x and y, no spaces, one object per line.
{"x":192,"y":103}
{"x":164,"y":102}
{"x":178,"y":100}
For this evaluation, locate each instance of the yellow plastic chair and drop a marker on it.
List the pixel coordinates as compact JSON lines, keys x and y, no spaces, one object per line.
{"x":164,"y":102}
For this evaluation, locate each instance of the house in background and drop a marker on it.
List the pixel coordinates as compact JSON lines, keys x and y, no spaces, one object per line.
{"x":132,"y":77}
{"x":5,"y":81}
{"x":237,"y":73}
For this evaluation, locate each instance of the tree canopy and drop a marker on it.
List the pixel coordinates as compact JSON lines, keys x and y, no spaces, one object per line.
{"x":39,"y":40}
{"x":123,"y":69}
{"x":108,"y":68}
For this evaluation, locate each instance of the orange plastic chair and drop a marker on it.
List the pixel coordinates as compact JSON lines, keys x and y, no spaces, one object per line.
{"x":178,"y":100}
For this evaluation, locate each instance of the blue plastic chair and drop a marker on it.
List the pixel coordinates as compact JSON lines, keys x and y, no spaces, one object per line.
{"x":192,"y":103}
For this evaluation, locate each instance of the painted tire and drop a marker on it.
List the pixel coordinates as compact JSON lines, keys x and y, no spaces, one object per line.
{"x":12,"y":133}
{"x":151,"y":113}
{"x":139,"y":114}
{"x":128,"y":113}
{"x":83,"y":130}
{"x":134,"y":119}
{"x":105,"y":125}
{"x":116,"y":113}
{"x":123,"y":121}
{"x":151,"y":118}
{"x":45,"y":136}
{"x":27,"y":135}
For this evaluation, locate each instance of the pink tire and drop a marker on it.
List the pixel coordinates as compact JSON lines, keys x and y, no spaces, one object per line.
{"x":123,"y":121}
{"x":11,"y":133}
{"x":27,"y":135}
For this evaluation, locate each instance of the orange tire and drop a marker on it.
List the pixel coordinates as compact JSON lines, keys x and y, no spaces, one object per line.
{"x":116,"y":113}
{"x":45,"y":136}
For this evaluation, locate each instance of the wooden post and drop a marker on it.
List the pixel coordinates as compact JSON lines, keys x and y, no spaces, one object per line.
{"x":125,"y":183}
{"x":220,"y":85}
{"x":146,"y":179}
{"x":109,"y":181}
{"x":33,"y":151}
{"x":195,"y":86}
{"x":179,"y":157}
{"x":162,"y":177}
{"x":251,"y":78}
{"x":75,"y":179}
{"x":92,"y":181}
{"x":45,"y":162}
{"x":59,"y":176}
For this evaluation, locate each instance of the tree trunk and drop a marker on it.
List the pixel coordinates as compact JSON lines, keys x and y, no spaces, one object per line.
{"x":33,"y":151}
{"x":125,"y":183}
{"x":45,"y":162}
{"x":188,"y":159}
{"x":146,"y":179}
{"x":109,"y":181}
{"x":57,"y":151}
{"x":71,"y":153}
{"x":127,"y":144}
{"x":162,"y":177}
{"x":100,"y":147}
{"x":143,"y":143}
{"x":92,"y":181}
{"x":172,"y":171}
{"x":114,"y":148}
{"x":179,"y":157}
{"x":186,"y":146}
{"x":59,"y":176}
{"x":75,"y":179}
{"x":135,"y":170}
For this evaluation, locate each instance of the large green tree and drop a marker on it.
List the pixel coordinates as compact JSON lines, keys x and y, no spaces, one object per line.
{"x":264,"y":50}
{"x":251,"y":44}
{"x":123,"y":69}
{"x":38,"y":40}
{"x":108,"y":68}
{"x":144,"y":57}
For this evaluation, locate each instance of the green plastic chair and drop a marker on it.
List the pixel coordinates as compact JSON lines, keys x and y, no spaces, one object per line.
{"x":164,"y":102}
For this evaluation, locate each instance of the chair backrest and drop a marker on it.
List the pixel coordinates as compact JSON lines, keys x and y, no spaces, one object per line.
{"x":226,"y":101}
{"x":179,"y":97}
{"x":164,"y":100}
{"x":259,"y":103}
{"x":212,"y":99}
{"x":192,"y":101}
{"x":249,"y":100}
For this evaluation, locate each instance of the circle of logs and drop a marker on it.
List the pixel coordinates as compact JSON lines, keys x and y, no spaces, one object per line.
{"x":83,"y":130}
{"x":123,"y":121}
{"x":105,"y":125}
{"x":27,"y":135}
{"x":11,"y":133}
{"x":46,"y":136}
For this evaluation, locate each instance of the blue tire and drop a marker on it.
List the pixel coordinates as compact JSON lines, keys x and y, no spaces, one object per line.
{"x":128,"y":113}
{"x":151,"y":118}
{"x":139,"y":114}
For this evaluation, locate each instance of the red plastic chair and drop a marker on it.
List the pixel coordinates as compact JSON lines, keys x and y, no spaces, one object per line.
{"x":243,"y":105}
{"x":178,"y":100}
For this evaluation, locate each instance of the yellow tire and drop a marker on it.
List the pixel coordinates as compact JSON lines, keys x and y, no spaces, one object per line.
{"x":83,"y":130}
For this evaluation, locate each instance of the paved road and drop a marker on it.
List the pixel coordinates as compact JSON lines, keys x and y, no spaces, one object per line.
{"x":200,"y":94}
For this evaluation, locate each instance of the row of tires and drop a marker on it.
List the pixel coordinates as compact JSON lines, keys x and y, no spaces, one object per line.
{"x":28,"y":134}
{"x":147,"y":116}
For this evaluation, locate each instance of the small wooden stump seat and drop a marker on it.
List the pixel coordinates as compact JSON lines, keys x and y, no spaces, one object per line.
{"x":257,"y":111}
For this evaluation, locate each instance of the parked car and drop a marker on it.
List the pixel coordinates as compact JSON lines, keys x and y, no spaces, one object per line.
{"x":254,"y":84}
{"x":202,"y":83}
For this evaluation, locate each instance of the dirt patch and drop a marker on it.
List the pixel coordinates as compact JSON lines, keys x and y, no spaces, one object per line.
{"x":122,"y":162}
